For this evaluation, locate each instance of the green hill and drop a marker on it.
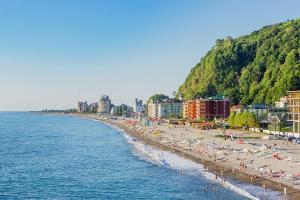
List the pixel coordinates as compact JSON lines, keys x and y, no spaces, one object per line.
{"x":256,"y":68}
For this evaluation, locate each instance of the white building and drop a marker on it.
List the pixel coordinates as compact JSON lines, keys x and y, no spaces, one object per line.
{"x":164,"y":110}
{"x":104,"y":105}
{"x":113,"y":110}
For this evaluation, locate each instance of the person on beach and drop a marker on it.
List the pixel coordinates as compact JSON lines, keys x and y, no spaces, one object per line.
{"x":224,"y":181}
{"x":214,"y":189}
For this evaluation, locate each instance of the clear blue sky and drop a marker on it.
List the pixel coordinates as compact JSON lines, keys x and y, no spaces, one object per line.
{"x":57,"y":52}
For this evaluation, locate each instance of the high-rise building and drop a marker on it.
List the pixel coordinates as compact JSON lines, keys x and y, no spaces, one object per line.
{"x":104,"y":105}
{"x":138,"y":107}
{"x":82,"y":107}
{"x":93,"y":107}
{"x":293,"y":104}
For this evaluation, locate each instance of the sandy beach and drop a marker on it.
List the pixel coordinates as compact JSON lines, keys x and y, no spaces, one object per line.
{"x":271,"y":164}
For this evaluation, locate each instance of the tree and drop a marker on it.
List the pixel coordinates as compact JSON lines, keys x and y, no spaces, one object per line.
{"x":252,"y":120}
{"x":231,"y":119}
{"x":244,"y":118}
{"x":175,"y":95}
{"x":157,"y":98}
{"x":200,"y":119}
{"x":238,"y":120}
{"x":256,"y":68}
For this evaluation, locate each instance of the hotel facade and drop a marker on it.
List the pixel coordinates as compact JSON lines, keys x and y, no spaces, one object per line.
{"x":164,"y":109}
{"x":293,"y":104}
{"x":215,"y":107}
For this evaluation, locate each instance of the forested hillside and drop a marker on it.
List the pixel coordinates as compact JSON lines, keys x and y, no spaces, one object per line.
{"x":256,"y":68}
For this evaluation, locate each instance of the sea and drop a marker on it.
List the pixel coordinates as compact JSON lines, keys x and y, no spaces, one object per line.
{"x":48,"y":156}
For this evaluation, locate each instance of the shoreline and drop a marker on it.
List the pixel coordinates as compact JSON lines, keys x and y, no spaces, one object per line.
{"x":207,"y":164}
{"x":218,"y":168}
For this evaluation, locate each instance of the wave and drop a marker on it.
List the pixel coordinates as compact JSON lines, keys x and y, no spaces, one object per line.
{"x":174,"y":161}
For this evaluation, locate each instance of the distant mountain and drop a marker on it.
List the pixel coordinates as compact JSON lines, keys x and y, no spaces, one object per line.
{"x":256,"y":68}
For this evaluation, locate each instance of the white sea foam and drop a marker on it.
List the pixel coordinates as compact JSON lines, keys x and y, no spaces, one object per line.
{"x":172,"y":160}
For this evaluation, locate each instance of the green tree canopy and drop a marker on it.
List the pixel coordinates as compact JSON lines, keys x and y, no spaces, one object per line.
{"x":231,"y":119}
{"x":256,"y":68}
{"x":252,"y":120}
{"x":157,"y":97}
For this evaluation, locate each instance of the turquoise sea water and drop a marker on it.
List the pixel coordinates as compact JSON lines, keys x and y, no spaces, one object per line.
{"x":62,"y":157}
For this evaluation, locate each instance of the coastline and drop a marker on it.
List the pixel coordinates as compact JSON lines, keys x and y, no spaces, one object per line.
{"x":218,"y":168}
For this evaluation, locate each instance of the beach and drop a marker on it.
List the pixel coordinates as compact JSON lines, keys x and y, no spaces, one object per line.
{"x":270,"y":164}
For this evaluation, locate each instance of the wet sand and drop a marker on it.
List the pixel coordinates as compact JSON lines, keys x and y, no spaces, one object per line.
{"x":210,"y":164}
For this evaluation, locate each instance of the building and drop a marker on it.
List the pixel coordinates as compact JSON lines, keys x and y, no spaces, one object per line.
{"x":277,"y":120}
{"x":213,"y":108}
{"x":210,"y":108}
{"x":93,"y":107}
{"x":260,"y":110}
{"x":278,"y":115}
{"x":280,"y":109}
{"x":189,"y":110}
{"x":113,"y":110}
{"x":164,"y":108}
{"x":138,"y":108}
{"x":152,"y":110}
{"x":82,"y":107}
{"x":293,"y":104}
{"x":282,"y":103}
{"x":104,"y":105}
{"x":122,"y":110}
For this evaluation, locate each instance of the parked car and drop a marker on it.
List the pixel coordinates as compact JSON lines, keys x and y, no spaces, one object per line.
{"x":291,"y":139}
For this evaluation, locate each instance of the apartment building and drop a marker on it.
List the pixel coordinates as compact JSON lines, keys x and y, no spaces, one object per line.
{"x":214,"y":107}
{"x":293,"y":104}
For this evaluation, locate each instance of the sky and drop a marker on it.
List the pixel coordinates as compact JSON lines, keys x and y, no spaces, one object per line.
{"x":54,"y":53}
